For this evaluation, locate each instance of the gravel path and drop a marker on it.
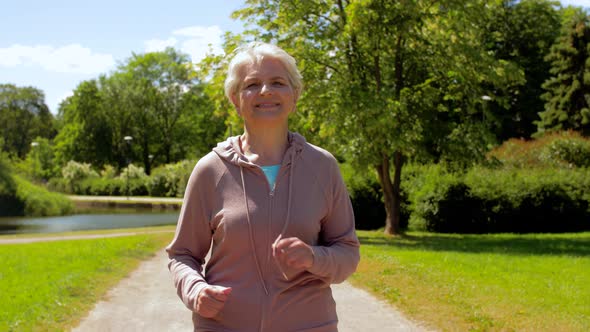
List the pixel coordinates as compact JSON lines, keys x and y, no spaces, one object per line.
{"x":147,"y":301}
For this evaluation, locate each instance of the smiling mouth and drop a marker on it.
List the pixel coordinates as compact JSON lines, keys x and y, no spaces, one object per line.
{"x":267,"y":105}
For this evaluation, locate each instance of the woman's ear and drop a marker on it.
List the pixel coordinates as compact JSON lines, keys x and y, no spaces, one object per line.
{"x":236,"y":102}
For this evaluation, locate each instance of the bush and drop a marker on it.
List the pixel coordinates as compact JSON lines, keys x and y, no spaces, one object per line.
{"x":170,"y":180}
{"x":108,"y":172}
{"x":569,"y":152}
{"x":563,"y":150}
{"x":32,"y":200}
{"x":366,"y":197}
{"x":9,"y":204}
{"x":73,"y":173}
{"x":103,"y":186}
{"x":490,"y":201}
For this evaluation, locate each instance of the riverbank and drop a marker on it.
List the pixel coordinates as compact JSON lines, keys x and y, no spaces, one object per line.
{"x":153,"y":203}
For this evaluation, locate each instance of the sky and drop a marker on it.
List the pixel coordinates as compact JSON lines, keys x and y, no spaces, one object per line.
{"x":54,"y":45}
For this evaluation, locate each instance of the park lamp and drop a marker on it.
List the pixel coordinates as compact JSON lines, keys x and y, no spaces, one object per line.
{"x":34,"y":144}
{"x":127,"y":139}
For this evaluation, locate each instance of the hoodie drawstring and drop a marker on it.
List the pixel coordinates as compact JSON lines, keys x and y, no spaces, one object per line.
{"x":250,"y":231}
{"x":289,"y":196}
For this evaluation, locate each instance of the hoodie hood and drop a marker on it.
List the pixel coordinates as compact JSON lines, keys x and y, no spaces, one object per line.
{"x":231,"y":151}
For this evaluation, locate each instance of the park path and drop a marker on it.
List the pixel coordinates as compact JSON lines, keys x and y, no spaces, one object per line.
{"x":146,"y":301}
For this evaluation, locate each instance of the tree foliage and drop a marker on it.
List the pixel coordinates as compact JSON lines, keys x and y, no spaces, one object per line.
{"x":522,"y":32}
{"x":388,"y":80}
{"x":568,"y":90}
{"x":155,"y":98}
{"x":23,"y":116}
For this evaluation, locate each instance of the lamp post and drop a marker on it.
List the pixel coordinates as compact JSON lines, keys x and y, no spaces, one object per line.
{"x":35,"y":157}
{"x":486,"y":99}
{"x":128,"y":139}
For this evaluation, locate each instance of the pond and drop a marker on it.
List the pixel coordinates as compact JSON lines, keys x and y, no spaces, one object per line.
{"x":105,"y":219}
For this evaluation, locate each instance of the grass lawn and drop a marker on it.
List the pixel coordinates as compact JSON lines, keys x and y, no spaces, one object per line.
{"x":50,"y":286}
{"x":481,"y":282}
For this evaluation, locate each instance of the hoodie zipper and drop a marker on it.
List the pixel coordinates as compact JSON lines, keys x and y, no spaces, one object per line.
{"x":271,"y":194}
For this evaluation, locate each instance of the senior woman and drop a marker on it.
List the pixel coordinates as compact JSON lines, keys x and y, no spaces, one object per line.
{"x":272,"y":210}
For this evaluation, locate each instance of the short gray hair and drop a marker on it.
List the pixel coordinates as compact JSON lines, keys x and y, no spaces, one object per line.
{"x":254,"y":52}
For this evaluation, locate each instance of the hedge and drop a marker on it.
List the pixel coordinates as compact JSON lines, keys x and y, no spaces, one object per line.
{"x":491,"y":201}
{"x":366,"y":197}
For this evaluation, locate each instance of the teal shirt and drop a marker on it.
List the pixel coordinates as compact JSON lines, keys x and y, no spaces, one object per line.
{"x":271,"y":173}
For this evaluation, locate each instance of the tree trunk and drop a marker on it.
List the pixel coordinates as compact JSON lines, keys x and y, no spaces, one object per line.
{"x":391,"y":192}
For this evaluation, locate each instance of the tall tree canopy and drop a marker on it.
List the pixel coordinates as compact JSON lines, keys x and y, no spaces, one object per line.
{"x":388,"y":80}
{"x":568,"y":90}
{"x":23,"y":116}
{"x":85,"y":133}
{"x":155,"y":98}
{"x":522,"y":32}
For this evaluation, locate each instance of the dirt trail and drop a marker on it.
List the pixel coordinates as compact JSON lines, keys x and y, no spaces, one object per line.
{"x":147,"y":301}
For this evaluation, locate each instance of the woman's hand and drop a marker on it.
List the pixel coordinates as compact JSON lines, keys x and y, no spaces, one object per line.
{"x":293,"y":252}
{"x":211,"y":300}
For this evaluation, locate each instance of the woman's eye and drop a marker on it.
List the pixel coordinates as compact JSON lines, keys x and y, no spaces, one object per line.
{"x":251,"y":85}
{"x":277,"y":83}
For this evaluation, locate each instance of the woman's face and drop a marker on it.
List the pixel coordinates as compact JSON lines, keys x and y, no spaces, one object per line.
{"x":265,"y":95}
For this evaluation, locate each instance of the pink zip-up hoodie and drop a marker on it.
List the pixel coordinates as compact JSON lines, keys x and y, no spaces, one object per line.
{"x":230,"y":208}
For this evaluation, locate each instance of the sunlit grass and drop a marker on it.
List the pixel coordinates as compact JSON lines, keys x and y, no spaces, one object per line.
{"x":482,"y":282}
{"x":50,"y":286}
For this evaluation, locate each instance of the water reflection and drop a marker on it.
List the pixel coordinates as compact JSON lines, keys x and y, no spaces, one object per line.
{"x":87,"y":221}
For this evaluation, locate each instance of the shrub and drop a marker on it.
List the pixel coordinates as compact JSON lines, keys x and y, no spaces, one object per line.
{"x":9,"y":204}
{"x":489,"y":201}
{"x":569,"y":152}
{"x":170,"y":180}
{"x":38,"y":201}
{"x":108,"y":172}
{"x":563,"y":149}
{"x":133,"y":172}
{"x":59,"y":185}
{"x":73,"y":173}
{"x":366,"y":197}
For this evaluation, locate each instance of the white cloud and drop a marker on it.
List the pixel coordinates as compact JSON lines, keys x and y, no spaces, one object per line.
{"x":72,"y":58}
{"x":200,"y":41}
{"x":157,"y":45}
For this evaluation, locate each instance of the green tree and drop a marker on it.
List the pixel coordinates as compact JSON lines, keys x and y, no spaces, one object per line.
{"x":522,"y":32}
{"x":40,"y":163}
{"x":168,"y":107}
{"x":86,"y":134}
{"x":568,"y":90}
{"x":23,"y":116}
{"x":387,"y":80}
{"x":155,"y":98}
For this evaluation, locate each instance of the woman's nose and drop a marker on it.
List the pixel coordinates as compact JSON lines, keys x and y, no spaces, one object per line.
{"x":265,"y":89}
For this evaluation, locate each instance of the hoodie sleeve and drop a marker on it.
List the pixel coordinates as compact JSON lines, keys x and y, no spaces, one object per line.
{"x":192,"y":240}
{"x":337,"y":256}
